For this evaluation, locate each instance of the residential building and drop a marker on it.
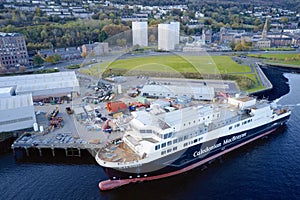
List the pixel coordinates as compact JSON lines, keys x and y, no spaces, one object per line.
{"x":95,"y":49}
{"x":168,"y":36}
{"x":13,"y":51}
{"x":140,"y":34}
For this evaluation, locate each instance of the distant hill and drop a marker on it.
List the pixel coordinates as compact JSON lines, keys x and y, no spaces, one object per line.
{"x":285,"y":4}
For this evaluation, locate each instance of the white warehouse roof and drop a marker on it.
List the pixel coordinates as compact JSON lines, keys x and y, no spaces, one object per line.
{"x":6,"y":91}
{"x":42,"y":84}
{"x":14,"y":102}
{"x":16,"y":113}
{"x":201,"y":92}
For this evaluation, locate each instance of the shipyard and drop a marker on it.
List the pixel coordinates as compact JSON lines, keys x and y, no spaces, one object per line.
{"x":97,"y":113}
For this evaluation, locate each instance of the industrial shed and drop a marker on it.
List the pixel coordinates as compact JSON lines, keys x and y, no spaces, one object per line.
{"x":16,"y":113}
{"x":173,"y":91}
{"x":43,"y":85}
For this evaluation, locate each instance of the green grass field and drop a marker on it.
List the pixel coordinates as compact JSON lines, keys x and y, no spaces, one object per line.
{"x":276,"y":56}
{"x":201,"y":64}
{"x":188,"y":66}
{"x":290,"y":60}
{"x":295,"y":63}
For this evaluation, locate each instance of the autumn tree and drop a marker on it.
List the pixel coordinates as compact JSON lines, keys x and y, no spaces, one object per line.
{"x":152,"y":38}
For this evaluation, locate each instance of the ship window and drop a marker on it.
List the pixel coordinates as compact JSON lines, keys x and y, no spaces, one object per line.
{"x":163,"y":145}
{"x":195,"y":140}
{"x":165,"y":136}
{"x":230,"y":127}
{"x":174,"y":148}
{"x":180,"y":139}
{"x":169,"y":150}
{"x":157,"y":147}
{"x":174,"y":141}
{"x":185,"y":137}
{"x":163,"y":152}
{"x":249,"y":120}
{"x":170,"y":135}
{"x":169,"y":143}
{"x":185,"y":144}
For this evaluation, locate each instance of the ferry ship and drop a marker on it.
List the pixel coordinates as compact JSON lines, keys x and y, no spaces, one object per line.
{"x":159,"y":144}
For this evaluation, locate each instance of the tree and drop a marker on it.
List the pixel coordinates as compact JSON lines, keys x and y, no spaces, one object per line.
{"x":102,"y":16}
{"x":50,"y":59}
{"x":83,"y":54}
{"x":152,"y":38}
{"x":257,"y":22}
{"x":243,"y":42}
{"x":113,"y":29}
{"x":111,"y":15}
{"x":57,"y":57}
{"x":238,"y":47}
{"x":284,"y":20}
{"x":232,"y":44}
{"x":38,"y":60}
{"x":102,"y":36}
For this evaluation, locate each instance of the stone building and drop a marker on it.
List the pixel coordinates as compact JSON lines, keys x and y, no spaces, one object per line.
{"x":13,"y":51}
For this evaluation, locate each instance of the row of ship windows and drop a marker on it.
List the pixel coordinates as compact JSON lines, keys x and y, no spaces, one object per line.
{"x":243,"y":123}
{"x":168,"y":151}
{"x":192,"y":142}
{"x":162,"y":136}
{"x":169,"y":143}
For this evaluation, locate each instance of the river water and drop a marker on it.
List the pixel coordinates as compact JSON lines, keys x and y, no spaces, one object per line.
{"x":265,"y":169}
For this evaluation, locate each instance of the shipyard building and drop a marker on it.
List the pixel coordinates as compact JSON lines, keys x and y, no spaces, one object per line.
{"x":16,"y":112}
{"x":17,"y":94}
{"x":174,"y":91}
{"x":43,"y":85}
